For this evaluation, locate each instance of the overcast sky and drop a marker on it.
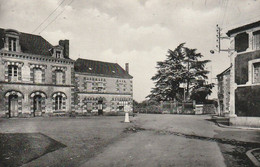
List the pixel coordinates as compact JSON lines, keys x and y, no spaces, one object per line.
{"x":137,"y":32}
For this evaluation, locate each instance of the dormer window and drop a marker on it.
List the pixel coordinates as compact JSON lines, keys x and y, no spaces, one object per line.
{"x":12,"y":40}
{"x":12,"y":44}
{"x":58,"y":54}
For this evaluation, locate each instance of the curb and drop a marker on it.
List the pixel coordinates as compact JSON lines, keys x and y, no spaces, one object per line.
{"x":236,"y":127}
{"x":252,"y":157}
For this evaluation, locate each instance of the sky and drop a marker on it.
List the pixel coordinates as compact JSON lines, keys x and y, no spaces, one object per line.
{"x":138,"y":32}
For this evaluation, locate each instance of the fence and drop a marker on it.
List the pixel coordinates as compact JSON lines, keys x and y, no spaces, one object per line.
{"x":170,"y":107}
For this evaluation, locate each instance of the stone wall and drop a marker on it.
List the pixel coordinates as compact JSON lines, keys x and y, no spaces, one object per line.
{"x":26,"y":91}
{"x":25,"y":85}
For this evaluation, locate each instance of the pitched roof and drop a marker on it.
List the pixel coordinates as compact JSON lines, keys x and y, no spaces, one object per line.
{"x":32,"y":44}
{"x":244,"y":27}
{"x":224,"y":72}
{"x":100,"y":68}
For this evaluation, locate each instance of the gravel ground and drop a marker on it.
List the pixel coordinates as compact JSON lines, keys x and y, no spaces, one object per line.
{"x":149,"y":140}
{"x":84,"y":137}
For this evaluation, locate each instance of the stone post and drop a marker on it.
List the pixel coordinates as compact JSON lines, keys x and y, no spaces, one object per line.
{"x":127,"y":117}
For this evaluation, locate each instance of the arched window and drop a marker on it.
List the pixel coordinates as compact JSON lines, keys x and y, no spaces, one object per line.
{"x":58,"y":102}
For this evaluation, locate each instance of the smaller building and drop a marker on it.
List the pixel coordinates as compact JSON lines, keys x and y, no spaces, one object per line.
{"x":224,"y":91}
{"x":102,"y":88}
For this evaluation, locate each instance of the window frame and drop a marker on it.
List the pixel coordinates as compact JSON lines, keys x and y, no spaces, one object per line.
{"x":58,"y":102}
{"x":12,"y":44}
{"x":12,"y":72}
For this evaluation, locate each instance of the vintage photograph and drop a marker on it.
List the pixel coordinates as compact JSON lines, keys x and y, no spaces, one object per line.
{"x":129,"y":83}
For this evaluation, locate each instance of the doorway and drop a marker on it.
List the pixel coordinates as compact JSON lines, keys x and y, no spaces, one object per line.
{"x":37,"y":105}
{"x":100,"y":107}
{"x":13,"y":106}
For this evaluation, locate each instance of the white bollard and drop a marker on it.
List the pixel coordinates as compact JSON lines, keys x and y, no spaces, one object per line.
{"x":127,"y":117}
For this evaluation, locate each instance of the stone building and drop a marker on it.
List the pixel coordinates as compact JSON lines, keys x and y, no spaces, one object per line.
{"x":102,"y":87}
{"x":38,"y":79}
{"x":35,"y":76}
{"x":224,"y":91}
{"x":245,"y":70}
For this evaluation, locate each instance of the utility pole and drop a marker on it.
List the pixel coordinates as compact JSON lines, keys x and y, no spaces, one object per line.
{"x":219,"y":38}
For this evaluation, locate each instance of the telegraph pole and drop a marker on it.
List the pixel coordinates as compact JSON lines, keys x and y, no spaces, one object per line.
{"x":219,"y":38}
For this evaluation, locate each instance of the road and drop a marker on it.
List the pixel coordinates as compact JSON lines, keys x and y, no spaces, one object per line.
{"x":178,"y":140}
{"x":149,"y":140}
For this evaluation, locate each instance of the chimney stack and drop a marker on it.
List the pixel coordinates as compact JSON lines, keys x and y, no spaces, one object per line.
{"x":127,"y":67}
{"x":65,"y":45}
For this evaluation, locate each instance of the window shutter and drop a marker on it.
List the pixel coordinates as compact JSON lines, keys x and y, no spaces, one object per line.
{"x":63,"y":103}
{"x":54,"y":77}
{"x":43,"y":75}
{"x":63,"y":77}
{"x":31,"y":74}
{"x":43,"y":104}
{"x":256,"y":40}
{"x":19,"y":73}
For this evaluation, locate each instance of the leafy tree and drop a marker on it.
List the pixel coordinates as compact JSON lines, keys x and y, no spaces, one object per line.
{"x":178,"y":73}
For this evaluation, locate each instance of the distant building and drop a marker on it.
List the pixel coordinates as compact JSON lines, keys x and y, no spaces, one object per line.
{"x":102,"y":87}
{"x":38,"y":79}
{"x":224,"y":91}
{"x":245,"y":70}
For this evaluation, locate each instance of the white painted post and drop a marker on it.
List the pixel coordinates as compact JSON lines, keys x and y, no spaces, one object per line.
{"x":127,"y":117}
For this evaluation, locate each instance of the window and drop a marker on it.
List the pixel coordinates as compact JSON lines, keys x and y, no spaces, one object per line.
{"x":37,"y":75}
{"x":256,"y":38}
{"x":89,"y":86}
{"x":12,"y":72}
{"x":241,"y":42}
{"x":58,"y":102}
{"x":256,"y":78}
{"x":100,"y":89}
{"x":59,"y":75}
{"x":58,"y":54}
{"x":12,"y":44}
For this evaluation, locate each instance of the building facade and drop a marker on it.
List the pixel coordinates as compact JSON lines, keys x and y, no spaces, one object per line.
{"x":38,"y":79}
{"x":102,"y":88}
{"x":245,"y":70}
{"x":224,"y":92}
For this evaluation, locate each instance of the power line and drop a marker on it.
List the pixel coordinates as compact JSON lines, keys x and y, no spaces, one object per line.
{"x":225,"y":12}
{"x":48,"y":16}
{"x":239,"y":22}
{"x":55,"y":18}
{"x":51,"y":21}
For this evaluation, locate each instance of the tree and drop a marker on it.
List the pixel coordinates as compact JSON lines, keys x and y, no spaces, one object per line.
{"x":178,"y":75}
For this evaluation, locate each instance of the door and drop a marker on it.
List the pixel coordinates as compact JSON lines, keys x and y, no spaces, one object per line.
{"x":13,"y":106}
{"x":37,"y":105}
{"x":100,"y":107}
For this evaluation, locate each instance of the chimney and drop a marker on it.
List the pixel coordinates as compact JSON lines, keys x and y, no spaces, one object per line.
{"x":127,"y":67}
{"x":66,"y":51}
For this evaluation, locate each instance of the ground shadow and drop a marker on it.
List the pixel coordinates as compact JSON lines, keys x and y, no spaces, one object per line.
{"x":17,"y":149}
